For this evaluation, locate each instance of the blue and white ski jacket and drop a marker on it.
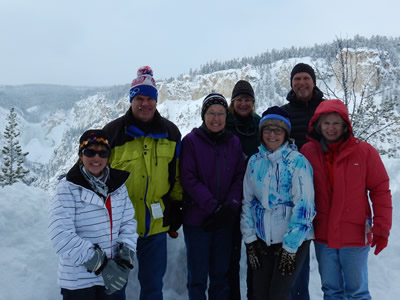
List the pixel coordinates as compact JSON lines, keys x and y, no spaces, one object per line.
{"x":278,"y":204}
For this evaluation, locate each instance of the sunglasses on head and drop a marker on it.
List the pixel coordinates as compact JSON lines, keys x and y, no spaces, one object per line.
{"x":92,"y":153}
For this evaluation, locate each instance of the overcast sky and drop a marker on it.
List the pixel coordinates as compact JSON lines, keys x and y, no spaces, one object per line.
{"x":99,"y":42}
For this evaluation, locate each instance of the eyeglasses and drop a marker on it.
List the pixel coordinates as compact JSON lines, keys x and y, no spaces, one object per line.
{"x":276,"y":131}
{"x":213,"y":114}
{"x":92,"y":153}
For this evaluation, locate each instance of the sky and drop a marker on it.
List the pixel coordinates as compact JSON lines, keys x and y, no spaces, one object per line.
{"x":102,"y":42}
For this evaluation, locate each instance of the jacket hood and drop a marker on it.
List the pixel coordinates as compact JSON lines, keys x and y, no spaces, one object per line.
{"x":331,"y":106}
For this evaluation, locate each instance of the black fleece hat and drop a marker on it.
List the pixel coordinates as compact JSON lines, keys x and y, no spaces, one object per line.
{"x":242,"y":87}
{"x":93,"y":136}
{"x":213,"y":98}
{"x":301,"y":67}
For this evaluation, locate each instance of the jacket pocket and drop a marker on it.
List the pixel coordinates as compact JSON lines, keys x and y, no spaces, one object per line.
{"x":258,"y":213}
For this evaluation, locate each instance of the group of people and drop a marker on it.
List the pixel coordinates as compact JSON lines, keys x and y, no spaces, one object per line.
{"x":275,"y":182}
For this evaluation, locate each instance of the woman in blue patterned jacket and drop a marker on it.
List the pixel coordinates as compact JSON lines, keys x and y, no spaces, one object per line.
{"x":278,"y":208}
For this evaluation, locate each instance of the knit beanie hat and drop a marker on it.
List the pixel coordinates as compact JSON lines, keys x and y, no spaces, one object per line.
{"x":93,"y":136}
{"x":242,"y":87}
{"x":213,"y":98}
{"x":144,"y":84}
{"x":299,"y":68}
{"x":275,"y":116}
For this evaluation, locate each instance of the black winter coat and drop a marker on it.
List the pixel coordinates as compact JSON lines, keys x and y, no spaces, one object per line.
{"x":246,"y":129}
{"x":301,"y":113}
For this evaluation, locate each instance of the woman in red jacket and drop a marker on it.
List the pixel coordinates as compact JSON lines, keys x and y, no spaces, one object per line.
{"x":349,"y":177}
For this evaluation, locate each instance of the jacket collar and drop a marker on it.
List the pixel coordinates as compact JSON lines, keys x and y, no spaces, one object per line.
{"x":136,"y":128}
{"x":316,"y":98}
{"x":282,"y":152}
{"x":115,"y":180}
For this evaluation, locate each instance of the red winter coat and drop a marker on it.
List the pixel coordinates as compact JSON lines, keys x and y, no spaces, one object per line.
{"x":343,"y":212}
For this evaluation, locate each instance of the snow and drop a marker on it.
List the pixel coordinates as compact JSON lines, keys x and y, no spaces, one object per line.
{"x":29,"y":264}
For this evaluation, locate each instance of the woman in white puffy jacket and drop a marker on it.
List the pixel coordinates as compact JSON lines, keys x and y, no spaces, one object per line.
{"x":92,"y":225}
{"x":277,"y":210}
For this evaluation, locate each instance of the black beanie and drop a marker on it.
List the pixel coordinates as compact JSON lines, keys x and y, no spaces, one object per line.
{"x":213,"y":98}
{"x":93,"y":136}
{"x":242,"y":87}
{"x":299,"y":68}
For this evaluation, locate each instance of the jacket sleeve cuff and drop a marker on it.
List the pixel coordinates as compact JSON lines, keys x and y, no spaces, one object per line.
{"x":376,"y":230}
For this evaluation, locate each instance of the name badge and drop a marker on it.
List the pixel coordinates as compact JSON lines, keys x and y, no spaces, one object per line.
{"x":156,"y":210}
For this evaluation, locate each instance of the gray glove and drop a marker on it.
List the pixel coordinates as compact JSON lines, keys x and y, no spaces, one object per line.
{"x":97,"y":262}
{"x":287,"y":263}
{"x":115,"y":276}
{"x":125,"y":256}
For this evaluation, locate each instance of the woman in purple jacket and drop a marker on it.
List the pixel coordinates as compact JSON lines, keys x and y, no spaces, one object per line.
{"x":211,"y":171}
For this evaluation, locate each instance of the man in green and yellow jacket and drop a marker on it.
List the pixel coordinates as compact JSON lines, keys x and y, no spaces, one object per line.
{"x":148,"y":146}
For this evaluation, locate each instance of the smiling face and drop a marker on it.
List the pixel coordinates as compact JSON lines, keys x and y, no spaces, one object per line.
{"x":96,"y":164}
{"x":303,"y":85}
{"x":243,"y":105}
{"x":143,"y":108}
{"x":332,"y":127}
{"x":273,"y":137}
{"x":215,"y":118}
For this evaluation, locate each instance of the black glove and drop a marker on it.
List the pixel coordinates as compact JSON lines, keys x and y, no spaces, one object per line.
{"x":287,"y":264}
{"x":176,"y":218}
{"x":254,"y":251}
{"x":173,"y":216}
{"x":222,"y":217}
{"x":115,"y":276}
{"x":176,"y":215}
{"x":97,"y":262}
{"x":253,"y":257}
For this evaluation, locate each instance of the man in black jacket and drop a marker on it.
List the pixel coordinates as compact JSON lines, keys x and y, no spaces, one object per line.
{"x":304,"y":97}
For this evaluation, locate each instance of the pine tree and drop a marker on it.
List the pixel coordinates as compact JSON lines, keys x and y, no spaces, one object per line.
{"x":13,"y":158}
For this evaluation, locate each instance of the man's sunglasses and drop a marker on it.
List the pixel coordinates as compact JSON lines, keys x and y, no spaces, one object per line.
{"x":92,"y":153}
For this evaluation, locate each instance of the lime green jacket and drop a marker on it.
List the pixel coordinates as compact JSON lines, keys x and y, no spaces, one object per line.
{"x":152,"y":159}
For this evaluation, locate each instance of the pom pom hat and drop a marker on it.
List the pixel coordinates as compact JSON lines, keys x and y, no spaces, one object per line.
{"x":275,"y":116}
{"x":299,"y":68}
{"x":93,"y":136}
{"x":144,"y":84}
{"x":213,"y":98}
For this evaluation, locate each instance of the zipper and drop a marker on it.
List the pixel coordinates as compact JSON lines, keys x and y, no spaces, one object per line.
{"x":109,"y":211}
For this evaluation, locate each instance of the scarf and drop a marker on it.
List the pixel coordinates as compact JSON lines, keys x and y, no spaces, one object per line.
{"x":98,"y":184}
{"x":216,"y":137}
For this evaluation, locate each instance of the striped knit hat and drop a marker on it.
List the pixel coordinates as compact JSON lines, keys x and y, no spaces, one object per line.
{"x":213,"y":98}
{"x":275,"y":116}
{"x":93,"y":136}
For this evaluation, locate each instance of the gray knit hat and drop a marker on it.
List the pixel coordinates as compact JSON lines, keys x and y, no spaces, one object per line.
{"x":242,"y":87}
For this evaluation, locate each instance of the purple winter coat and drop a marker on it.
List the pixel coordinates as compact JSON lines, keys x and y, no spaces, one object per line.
{"x":211,"y":173}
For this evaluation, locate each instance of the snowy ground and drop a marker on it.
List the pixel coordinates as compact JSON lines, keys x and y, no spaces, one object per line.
{"x":29,"y":264}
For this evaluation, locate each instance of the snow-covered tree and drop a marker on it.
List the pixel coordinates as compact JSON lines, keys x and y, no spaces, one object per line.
{"x":372,"y":110}
{"x":12,"y":169}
